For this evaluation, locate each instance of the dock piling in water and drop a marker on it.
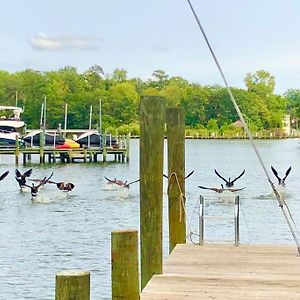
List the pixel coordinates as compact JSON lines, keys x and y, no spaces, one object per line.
{"x":124,"y":264}
{"x":176,"y":174}
{"x":152,"y":117}
{"x":72,"y":285}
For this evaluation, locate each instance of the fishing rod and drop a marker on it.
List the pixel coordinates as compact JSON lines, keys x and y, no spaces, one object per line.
{"x":282,"y":204}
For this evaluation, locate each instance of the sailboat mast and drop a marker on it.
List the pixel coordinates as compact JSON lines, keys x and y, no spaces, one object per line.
{"x":66,"y":119}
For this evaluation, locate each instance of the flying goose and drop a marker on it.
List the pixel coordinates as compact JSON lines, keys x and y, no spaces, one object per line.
{"x":121,"y":183}
{"x":230,"y":183}
{"x":219,"y":190}
{"x":281,"y":181}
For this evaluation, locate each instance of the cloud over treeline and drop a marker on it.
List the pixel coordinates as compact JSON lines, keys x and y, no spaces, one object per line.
{"x":41,"y":41}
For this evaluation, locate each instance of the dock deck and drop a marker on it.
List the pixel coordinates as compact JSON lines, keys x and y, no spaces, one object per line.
{"x":223,"y":271}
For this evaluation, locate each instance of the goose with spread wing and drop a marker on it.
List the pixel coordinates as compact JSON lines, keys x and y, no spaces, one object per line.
{"x":281,"y":181}
{"x":34,"y":188}
{"x":21,"y":178}
{"x":219,"y":190}
{"x":69,"y":186}
{"x":121,"y":183}
{"x":229,"y":183}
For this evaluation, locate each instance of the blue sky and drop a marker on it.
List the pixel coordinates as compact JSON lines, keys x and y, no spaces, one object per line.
{"x":143,"y":36}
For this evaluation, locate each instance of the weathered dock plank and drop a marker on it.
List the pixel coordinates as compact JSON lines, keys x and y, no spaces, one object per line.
{"x":218,"y":271}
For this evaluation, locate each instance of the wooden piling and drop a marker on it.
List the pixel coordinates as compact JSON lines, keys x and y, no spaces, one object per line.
{"x":176,"y":174}
{"x":17,"y":150}
{"x":24,"y":158}
{"x":72,"y":285}
{"x":104,"y":150}
{"x":128,"y":147}
{"x":42,"y":144}
{"x":124,"y":264}
{"x":152,"y":116}
{"x":85,"y":155}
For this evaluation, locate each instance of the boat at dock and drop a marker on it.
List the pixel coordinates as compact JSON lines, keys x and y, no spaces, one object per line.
{"x":11,"y":125}
{"x":33,"y":139}
{"x":93,"y":138}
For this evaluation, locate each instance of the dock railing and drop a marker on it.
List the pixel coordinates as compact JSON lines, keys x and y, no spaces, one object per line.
{"x":236,"y":217}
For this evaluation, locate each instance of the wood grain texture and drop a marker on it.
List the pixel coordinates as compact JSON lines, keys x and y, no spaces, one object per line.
{"x":152,"y":120}
{"x":216,"y":271}
{"x":176,"y":165}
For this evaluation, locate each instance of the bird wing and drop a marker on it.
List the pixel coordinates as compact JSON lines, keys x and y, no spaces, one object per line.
{"x":18,"y":174}
{"x":238,"y":177}
{"x":287,"y":173}
{"x":220,"y":176}
{"x":40,"y":180}
{"x":44,"y":180}
{"x":109,"y":180}
{"x":275,"y":173}
{"x":128,"y":184}
{"x":234,"y":190}
{"x":4,"y":175}
{"x":49,"y":177}
{"x":27,"y":173}
{"x":212,"y":189}
{"x":190,"y":174}
{"x":203,"y":187}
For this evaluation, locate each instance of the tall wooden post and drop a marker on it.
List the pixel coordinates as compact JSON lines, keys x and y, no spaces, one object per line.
{"x":72,"y":285}
{"x":124,"y":264}
{"x":176,"y":166}
{"x":17,"y":150}
{"x":104,"y":150}
{"x":152,"y":117}
{"x":128,"y":147}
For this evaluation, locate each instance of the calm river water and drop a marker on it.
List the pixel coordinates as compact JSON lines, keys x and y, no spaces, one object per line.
{"x":61,"y":232}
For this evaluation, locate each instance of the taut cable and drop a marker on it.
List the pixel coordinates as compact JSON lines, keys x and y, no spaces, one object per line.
{"x":282,"y":204}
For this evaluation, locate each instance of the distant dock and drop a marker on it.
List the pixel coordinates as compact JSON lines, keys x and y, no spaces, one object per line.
{"x":52,"y":154}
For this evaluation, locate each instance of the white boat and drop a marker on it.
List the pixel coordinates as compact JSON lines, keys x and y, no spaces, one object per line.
{"x":10,"y":124}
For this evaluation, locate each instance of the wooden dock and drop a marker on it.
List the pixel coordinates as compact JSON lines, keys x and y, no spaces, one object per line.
{"x":51,"y":154}
{"x":218,"y":271}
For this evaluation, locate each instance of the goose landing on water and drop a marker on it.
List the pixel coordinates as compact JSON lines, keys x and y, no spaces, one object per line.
{"x":21,"y":178}
{"x":281,"y":181}
{"x":220,"y":190}
{"x":120,"y":183}
{"x":35,"y":188}
{"x":229,"y":183}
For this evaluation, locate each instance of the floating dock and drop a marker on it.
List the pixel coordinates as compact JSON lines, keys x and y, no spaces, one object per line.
{"x":223,"y":271}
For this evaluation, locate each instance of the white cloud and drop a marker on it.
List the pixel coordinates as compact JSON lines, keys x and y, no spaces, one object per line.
{"x":41,"y":41}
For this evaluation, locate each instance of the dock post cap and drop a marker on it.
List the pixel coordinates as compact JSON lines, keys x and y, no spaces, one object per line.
{"x":124,"y":231}
{"x":73,"y":273}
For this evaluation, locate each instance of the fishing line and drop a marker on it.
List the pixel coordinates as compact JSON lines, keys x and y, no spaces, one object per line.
{"x":282,"y":204}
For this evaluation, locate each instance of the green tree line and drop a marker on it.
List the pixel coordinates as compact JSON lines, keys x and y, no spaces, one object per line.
{"x":205,"y":106}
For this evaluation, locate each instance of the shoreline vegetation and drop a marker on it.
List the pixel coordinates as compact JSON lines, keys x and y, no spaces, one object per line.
{"x":209,"y":112}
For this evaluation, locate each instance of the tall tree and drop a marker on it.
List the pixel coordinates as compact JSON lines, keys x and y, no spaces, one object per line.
{"x":261,"y":83}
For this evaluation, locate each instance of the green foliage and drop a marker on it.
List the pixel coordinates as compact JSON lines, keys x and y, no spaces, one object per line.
{"x":208,"y":109}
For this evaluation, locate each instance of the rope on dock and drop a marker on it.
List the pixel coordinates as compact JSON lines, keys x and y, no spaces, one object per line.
{"x":182,"y":206}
